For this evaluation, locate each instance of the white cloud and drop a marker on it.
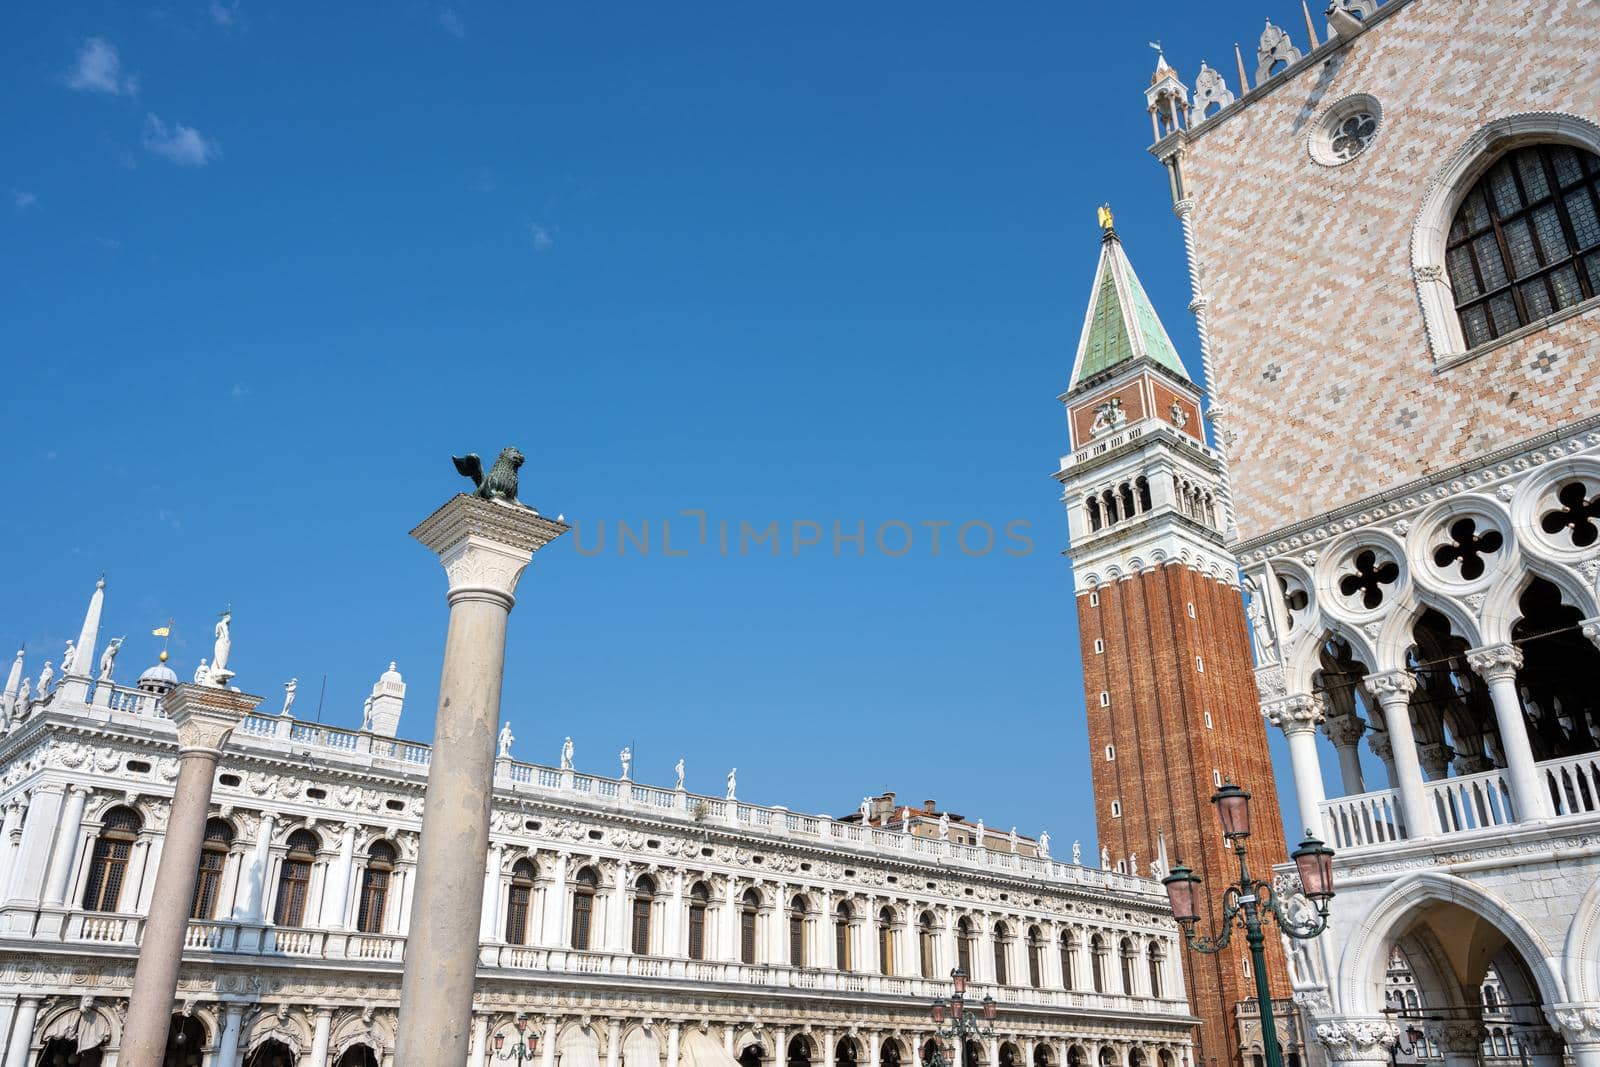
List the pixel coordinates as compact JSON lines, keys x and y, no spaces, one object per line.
{"x":450,"y":19}
{"x":543,"y":239}
{"x":226,"y":15}
{"x":22,"y":200}
{"x":99,"y":70}
{"x":239,"y":391}
{"x":183,"y":145}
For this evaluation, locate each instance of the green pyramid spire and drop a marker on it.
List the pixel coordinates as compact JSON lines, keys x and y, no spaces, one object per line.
{"x":1121,"y":324}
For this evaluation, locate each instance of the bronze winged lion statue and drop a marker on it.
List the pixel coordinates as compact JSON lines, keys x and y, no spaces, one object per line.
{"x":501,"y":481}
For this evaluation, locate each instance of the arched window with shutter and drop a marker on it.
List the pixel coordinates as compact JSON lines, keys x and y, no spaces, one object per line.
{"x":208,"y":876}
{"x":108,"y":863}
{"x":885,"y":941}
{"x":519,"y":901}
{"x":841,"y":936}
{"x":294,"y":878}
{"x":375,"y":887}
{"x":1069,"y":960}
{"x":699,"y":897}
{"x":964,"y":945}
{"x":749,"y":908}
{"x":1002,"y":946}
{"x":1097,"y":962}
{"x":797,"y":931}
{"x":644,"y":891}
{"x":925,"y":944}
{"x":583,"y":890}
{"x":1035,"y":957}
{"x":1128,"y":955}
{"x":1157,"y":969}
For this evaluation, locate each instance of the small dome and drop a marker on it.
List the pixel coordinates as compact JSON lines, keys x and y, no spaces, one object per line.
{"x":159,"y":678}
{"x":392,"y":675}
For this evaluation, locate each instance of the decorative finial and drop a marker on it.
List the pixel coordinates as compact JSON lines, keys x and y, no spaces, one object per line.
{"x":1104,"y":214}
{"x":163,"y":655}
{"x":501,"y":481}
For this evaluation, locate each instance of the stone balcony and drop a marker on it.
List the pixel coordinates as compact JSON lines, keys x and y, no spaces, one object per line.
{"x":254,"y":944}
{"x":1461,"y":807}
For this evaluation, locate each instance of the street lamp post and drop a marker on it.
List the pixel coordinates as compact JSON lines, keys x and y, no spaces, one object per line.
{"x":1244,"y":902}
{"x":525,"y":1044}
{"x":963,"y":1023}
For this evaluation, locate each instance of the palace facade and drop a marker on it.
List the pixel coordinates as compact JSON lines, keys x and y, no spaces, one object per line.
{"x":624,"y":923}
{"x":1392,"y":229}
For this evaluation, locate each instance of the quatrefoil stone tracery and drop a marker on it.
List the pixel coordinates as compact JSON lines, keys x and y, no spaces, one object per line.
{"x":1578,"y":515}
{"x":1467,"y":547}
{"x":1366,"y":582}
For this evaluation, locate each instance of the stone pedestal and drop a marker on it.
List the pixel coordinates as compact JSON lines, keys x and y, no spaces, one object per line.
{"x":204,"y":717}
{"x":484,"y":547}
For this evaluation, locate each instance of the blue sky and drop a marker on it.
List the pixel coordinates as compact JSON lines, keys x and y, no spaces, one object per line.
{"x":261,"y":273}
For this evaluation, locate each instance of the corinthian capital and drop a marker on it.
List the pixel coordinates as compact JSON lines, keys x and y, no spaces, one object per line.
{"x":1301,"y":711}
{"x":485,"y":545}
{"x":1495,"y":662}
{"x":1357,"y":1039}
{"x":1344,"y":730}
{"x":205,"y":715}
{"x":1578,"y":1023}
{"x":1391,"y":684}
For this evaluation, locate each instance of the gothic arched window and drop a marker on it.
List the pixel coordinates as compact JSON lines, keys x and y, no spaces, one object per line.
{"x":208,"y":877}
{"x":583,"y":890}
{"x":1526,"y":240}
{"x":375,"y":887}
{"x":748,"y":909}
{"x":699,"y":895}
{"x":519,"y":902}
{"x":108,"y":864}
{"x":294,"y":878}
{"x":644,"y":891}
{"x":797,"y":932}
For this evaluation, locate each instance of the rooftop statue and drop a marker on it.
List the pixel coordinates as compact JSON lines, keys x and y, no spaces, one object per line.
{"x":501,"y":481}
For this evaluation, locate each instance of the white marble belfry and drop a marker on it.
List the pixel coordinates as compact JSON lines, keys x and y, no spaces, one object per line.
{"x":484,"y":547}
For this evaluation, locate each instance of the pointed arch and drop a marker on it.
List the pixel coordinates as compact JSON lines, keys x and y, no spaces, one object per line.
{"x":1362,"y":966}
{"x":1502,"y":609}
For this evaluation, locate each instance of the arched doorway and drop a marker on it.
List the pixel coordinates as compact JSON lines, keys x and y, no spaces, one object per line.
{"x":1041,"y":1055}
{"x":751,"y":1056}
{"x":799,"y":1051}
{"x":846,"y":1053}
{"x":186,"y":1042}
{"x":63,"y":1052}
{"x":890,"y":1054}
{"x":971,"y":1054}
{"x":271,"y":1053}
{"x":1009,"y":1056}
{"x":358,"y":1056}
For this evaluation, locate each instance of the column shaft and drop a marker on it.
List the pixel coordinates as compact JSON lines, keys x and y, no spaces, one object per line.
{"x":252,"y":900}
{"x":228,"y":1044}
{"x":336,"y":894}
{"x":155,"y":978}
{"x":1307,"y":768}
{"x":1393,"y":691}
{"x":22,"y":1032}
{"x":320,"y":1037}
{"x":442,"y":947}
{"x":44,"y":812}
{"x":1498,"y":665}
{"x":65,"y":852}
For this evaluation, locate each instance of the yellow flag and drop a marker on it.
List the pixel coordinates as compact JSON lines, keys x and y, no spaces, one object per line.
{"x":161,"y":631}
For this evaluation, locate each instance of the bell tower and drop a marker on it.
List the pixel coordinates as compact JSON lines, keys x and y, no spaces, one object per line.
{"x":1168,"y":677}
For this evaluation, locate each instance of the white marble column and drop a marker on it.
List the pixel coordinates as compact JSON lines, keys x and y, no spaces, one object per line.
{"x":555,"y":904}
{"x":1393,"y":691}
{"x":228,"y":1043}
{"x":479,"y":1052}
{"x":489,"y":929}
{"x":1345,"y":732}
{"x":22,"y":1024}
{"x":484,"y":547}
{"x":1497,"y":665}
{"x":613,"y":1042}
{"x":204,"y":717}
{"x":1297,"y":716}
{"x":672,"y":927}
{"x":674,"y":1037}
{"x":547,"y":1049}
{"x":252,"y":900}
{"x":729,"y":949}
{"x":65,"y":852}
{"x":320,"y":1037}
{"x":33,"y":856}
{"x":336,"y":891}
{"x":10,"y":843}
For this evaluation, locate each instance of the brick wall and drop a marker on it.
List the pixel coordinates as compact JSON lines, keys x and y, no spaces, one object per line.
{"x":1165,"y":756}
